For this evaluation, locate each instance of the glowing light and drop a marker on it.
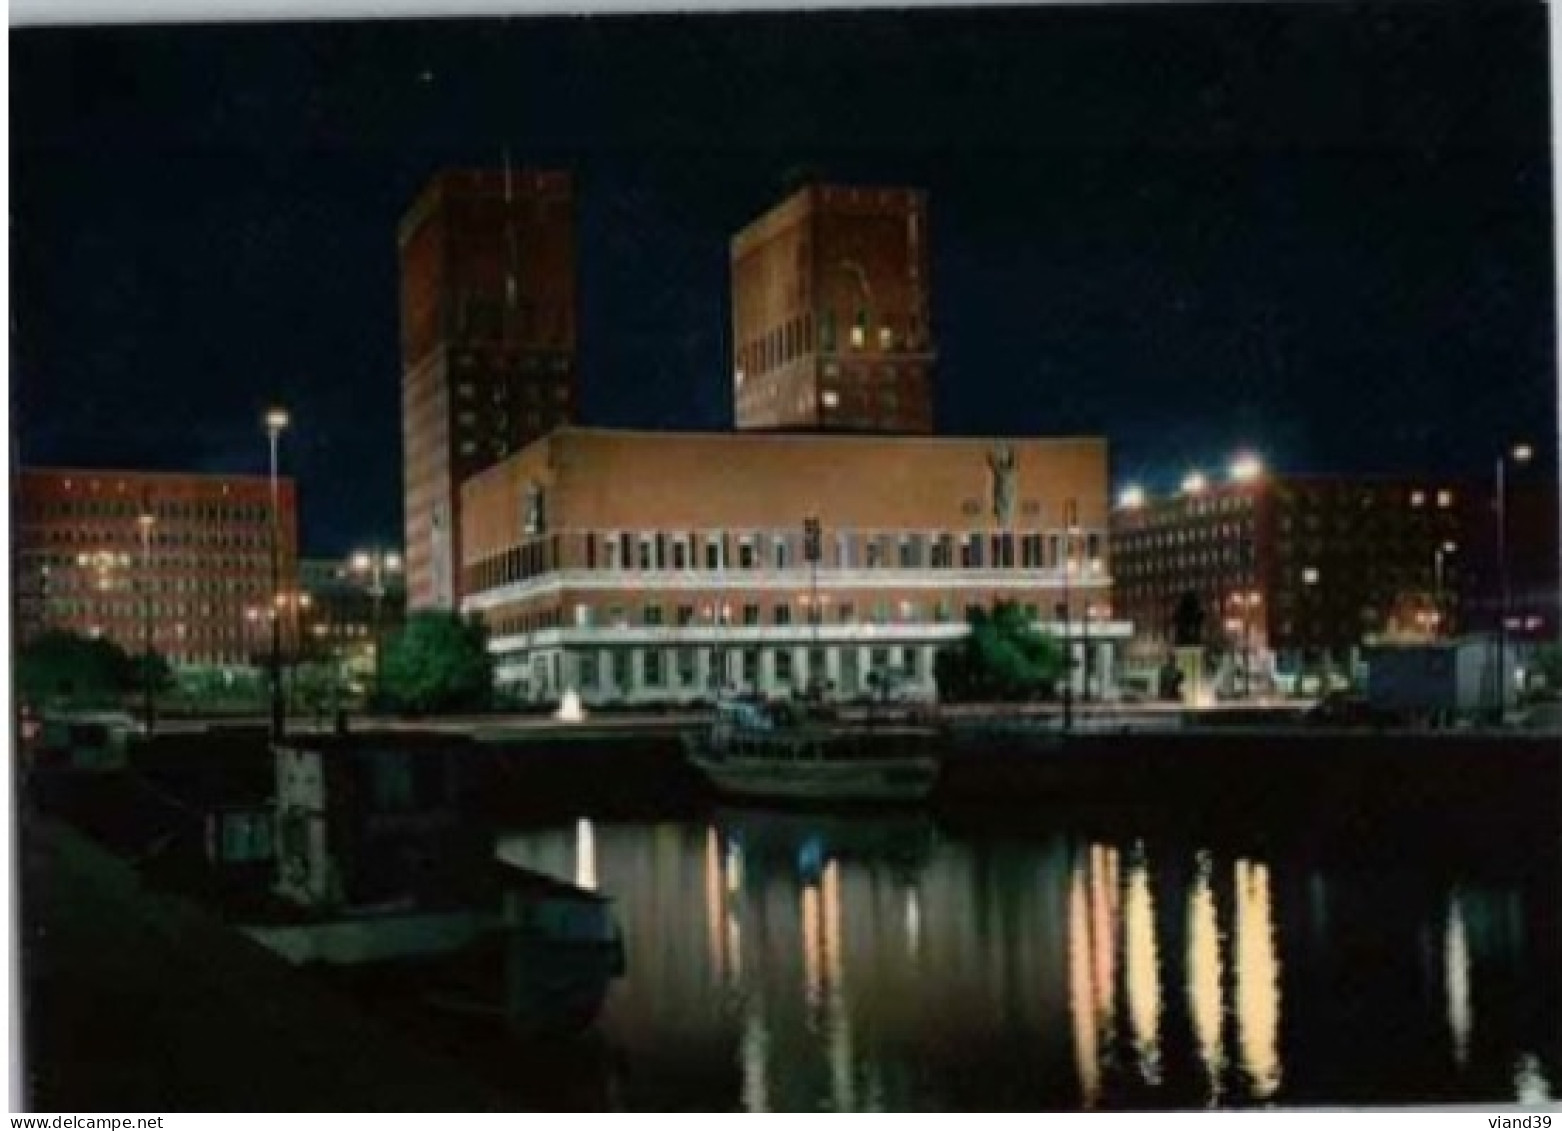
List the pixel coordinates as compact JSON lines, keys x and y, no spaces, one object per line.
{"x":1103,"y":916}
{"x":1131,"y":498}
{"x":713,"y":902}
{"x":361,"y":561}
{"x":1522,"y":453}
{"x":1081,"y":994}
{"x":1529,"y":1081}
{"x":585,"y":855}
{"x":276,"y":420}
{"x":813,"y":947}
{"x":1257,"y":980}
{"x":1194,"y":483}
{"x":570,"y":710}
{"x":1205,"y":1003}
{"x":1247,"y":468}
{"x":1142,"y":971}
{"x":1456,"y":962}
{"x":1310,"y":575}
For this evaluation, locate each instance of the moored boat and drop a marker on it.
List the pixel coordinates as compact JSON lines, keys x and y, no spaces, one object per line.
{"x":759,"y":750}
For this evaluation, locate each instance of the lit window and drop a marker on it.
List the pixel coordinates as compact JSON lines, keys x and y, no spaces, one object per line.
{"x":859,"y":337}
{"x":1417,"y":498}
{"x":1445,"y":499}
{"x":886,"y":338}
{"x":830,"y":398}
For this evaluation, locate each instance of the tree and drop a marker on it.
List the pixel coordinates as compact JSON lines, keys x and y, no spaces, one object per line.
{"x":1548,"y":664}
{"x":1003,"y":657}
{"x":69,"y":669}
{"x":437,"y":662}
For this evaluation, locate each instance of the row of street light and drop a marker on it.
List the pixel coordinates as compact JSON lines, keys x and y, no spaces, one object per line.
{"x":1245,"y":467}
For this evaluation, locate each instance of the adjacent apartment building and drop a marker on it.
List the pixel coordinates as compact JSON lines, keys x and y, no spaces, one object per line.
{"x":488,"y":337}
{"x":1298,"y":569}
{"x":830,"y":313}
{"x":184,"y":558}
{"x":642,"y":567}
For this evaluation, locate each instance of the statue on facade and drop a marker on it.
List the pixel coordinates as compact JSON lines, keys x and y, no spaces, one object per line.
{"x":1001,"y":462}
{"x":535,"y":515}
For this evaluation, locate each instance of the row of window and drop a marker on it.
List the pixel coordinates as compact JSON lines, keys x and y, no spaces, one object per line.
{"x":127,"y":508}
{"x":105,"y":581}
{"x":680,"y":667}
{"x":794,"y":338}
{"x":619,"y":550}
{"x":1195,"y":506}
{"x":109,"y":608}
{"x":533,"y":423}
{"x":1169,"y":537}
{"x":624,"y":551}
{"x":751,"y":614}
{"x":131,"y":536}
{"x":481,"y":316}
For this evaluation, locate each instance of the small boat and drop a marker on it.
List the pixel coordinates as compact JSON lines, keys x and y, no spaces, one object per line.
{"x":761,"y":750}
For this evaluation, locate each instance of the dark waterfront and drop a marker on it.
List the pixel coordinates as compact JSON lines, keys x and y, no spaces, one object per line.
{"x":895,"y":962}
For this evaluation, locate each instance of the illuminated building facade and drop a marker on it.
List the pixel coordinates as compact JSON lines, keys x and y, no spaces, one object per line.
{"x":488,"y":332}
{"x":655,"y":567}
{"x":1303,"y":568}
{"x":830,"y":320}
{"x":87,"y":563}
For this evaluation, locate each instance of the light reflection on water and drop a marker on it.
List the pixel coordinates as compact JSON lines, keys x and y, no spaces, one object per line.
{"x":1206,"y":1003}
{"x":791,"y":962}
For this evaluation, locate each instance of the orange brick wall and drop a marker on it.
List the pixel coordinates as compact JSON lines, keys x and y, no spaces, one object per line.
{"x":641,"y":481}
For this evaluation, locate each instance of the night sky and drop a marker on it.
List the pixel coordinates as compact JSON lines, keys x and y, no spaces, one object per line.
{"x":1323,"y":231}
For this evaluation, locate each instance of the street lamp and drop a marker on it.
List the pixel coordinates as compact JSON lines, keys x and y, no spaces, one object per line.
{"x":1439,"y":556}
{"x":1246,"y":468}
{"x":1194,"y":483}
{"x":1519,"y":454}
{"x":376,"y":564}
{"x":144,"y":523}
{"x":1131,"y":498}
{"x":1070,"y":523}
{"x":276,"y":422}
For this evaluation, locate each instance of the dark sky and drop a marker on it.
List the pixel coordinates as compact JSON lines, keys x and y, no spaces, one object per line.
{"x":1322,"y":230}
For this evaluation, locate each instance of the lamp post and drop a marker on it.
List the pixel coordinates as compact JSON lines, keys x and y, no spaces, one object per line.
{"x":375,"y":565}
{"x":144,"y":523}
{"x":718,"y":613}
{"x":1519,"y":454}
{"x":299,"y":603}
{"x":1070,"y":520}
{"x":276,"y":422}
{"x":811,"y":551}
{"x":1439,"y":556}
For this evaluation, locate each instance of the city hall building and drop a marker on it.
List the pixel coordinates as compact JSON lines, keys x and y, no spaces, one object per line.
{"x":656,"y":567}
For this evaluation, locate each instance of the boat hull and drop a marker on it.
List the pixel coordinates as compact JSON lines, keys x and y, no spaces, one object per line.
{"x":821,"y":780}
